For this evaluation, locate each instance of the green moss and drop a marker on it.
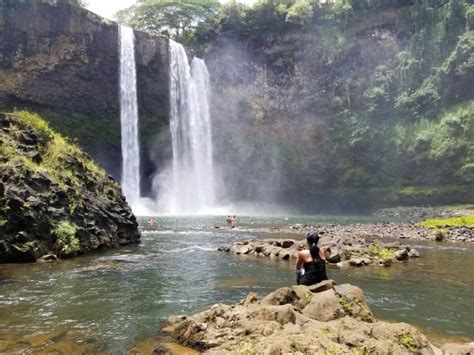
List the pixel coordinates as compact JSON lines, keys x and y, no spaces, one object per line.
{"x":66,"y":240}
{"x":345,"y":303}
{"x":326,"y":331}
{"x":465,"y":221}
{"x":247,"y":348}
{"x":408,"y":341}
{"x":61,"y":160}
{"x":384,"y":254}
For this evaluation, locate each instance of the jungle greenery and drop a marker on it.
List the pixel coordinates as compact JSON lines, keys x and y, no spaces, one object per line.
{"x":378,"y":92}
{"x":172,"y":17}
{"x":66,"y":241}
{"x":464,"y":221}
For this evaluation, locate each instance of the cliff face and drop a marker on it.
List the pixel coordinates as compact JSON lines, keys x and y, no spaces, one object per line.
{"x":53,"y":198}
{"x":63,"y":62}
{"x":349,"y":111}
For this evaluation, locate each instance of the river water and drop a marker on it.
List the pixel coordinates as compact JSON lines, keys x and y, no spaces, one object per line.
{"x":116,"y":301}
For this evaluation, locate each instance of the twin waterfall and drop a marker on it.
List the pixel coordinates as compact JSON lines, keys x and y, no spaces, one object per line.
{"x":129,"y":117}
{"x":189,"y":188}
{"x":187,"y":185}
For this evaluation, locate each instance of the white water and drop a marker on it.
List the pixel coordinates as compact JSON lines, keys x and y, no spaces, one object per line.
{"x":188,"y":186}
{"x":129,"y":117}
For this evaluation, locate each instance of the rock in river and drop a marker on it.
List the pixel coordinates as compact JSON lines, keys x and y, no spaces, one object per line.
{"x":295,"y":320}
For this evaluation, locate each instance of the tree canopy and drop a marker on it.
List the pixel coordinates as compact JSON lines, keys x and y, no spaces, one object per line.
{"x":172,"y":16}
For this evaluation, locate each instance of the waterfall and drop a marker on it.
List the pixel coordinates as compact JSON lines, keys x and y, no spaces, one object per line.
{"x":129,"y":117}
{"x":188,"y":187}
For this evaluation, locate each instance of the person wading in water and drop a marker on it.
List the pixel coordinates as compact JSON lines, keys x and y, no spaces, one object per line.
{"x":311,"y":264}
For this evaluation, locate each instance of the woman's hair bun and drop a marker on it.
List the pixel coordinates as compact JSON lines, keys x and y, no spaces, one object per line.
{"x":312,"y":238}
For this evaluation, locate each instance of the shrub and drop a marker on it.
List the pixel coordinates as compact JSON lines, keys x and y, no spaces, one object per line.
{"x":66,"y":240}
{"x":384,"y":254}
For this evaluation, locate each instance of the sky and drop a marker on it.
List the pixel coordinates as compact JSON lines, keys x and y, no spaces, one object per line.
{"x":107,"y":8}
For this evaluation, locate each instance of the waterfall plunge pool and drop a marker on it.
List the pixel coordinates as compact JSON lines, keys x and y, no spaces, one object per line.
{"x":117,"y":300}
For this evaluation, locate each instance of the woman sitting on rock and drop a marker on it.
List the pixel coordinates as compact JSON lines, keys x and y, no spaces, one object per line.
{"x":313,"y":262}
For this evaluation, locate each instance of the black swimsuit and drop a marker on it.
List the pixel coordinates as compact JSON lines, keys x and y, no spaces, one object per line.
{"x":314,"y":272}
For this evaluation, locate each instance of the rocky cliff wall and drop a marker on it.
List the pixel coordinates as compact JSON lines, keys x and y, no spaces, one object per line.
{"x":63,"y":61}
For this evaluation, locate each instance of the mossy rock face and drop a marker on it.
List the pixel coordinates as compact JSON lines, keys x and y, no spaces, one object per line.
{"x":53,"y":198}
{"x":63,"y":62}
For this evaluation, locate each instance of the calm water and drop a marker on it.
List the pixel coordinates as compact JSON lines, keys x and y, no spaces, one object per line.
{"x":116,"y":301}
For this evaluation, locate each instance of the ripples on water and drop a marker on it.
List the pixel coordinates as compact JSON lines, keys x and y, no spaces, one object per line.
{"x":114,"y":300}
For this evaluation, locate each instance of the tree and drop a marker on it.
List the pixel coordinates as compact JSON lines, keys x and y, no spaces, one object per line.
{"x":300,"y":12}
{"x":173,"y":16}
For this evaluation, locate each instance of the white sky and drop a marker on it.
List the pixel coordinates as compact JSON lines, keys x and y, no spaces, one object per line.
{"x":107,"y":8}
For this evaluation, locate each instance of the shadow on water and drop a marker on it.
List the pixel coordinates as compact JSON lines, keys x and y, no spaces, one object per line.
{"x":117,"y":300}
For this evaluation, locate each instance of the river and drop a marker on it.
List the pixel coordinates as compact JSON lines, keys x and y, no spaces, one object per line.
{"x":116,"y":301}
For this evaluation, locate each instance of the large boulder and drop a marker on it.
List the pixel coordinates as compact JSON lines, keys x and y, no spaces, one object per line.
{"x":294,"y":320}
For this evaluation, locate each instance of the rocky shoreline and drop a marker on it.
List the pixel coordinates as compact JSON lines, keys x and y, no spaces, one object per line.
{"x":320,"y":319}
{"x":373,"y":231}
{"x":341,"y":251}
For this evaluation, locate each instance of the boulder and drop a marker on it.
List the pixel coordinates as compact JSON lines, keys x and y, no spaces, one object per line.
{"x":282,"y":314}
{"x":322,"y":286}
{"x":318,"y":325}
{"x":333,"y":255}
{"x":324,"y":306}
{"x":353,"y":302}
{"x":458,"y":349}
{"x":401,"y":254}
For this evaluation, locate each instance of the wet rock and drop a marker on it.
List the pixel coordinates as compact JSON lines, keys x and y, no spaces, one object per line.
{"x":413,"y":253}
{"x":401,"y":255}
{"x":333,"y":255}
{"x":48,"y":258}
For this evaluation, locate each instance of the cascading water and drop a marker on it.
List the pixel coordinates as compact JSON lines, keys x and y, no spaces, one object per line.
{"x":188,"y":186}
{"x":129,"y":117}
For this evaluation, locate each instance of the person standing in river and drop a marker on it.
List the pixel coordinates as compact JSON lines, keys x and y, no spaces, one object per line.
{"x":311,"y":263}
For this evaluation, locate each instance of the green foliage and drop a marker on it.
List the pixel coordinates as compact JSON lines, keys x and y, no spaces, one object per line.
{"x":66,"y":240}
{"x":325,"y":330}
{"x":332,"y":352}
{"x":61,"y":160}
{"x":174,"y":17}
{"x":384,"y":254}
{"x":467,"y":221}
{"x":301,"y":12}
{"x":345,"y":303}
{"x":408,"y":341}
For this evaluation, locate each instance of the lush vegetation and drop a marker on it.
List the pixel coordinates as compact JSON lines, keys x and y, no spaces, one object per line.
{"x":464,"y":221}
{"x":59,"y":159}
{"x":172,"y":17}
{"x":361,"y":100}
{"x":66,"y":241}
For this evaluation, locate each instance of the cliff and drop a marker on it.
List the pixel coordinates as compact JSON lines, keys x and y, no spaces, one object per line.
{"x":53,"y":198}
{"x":63,"y":62}
{"x":355,"y":105}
